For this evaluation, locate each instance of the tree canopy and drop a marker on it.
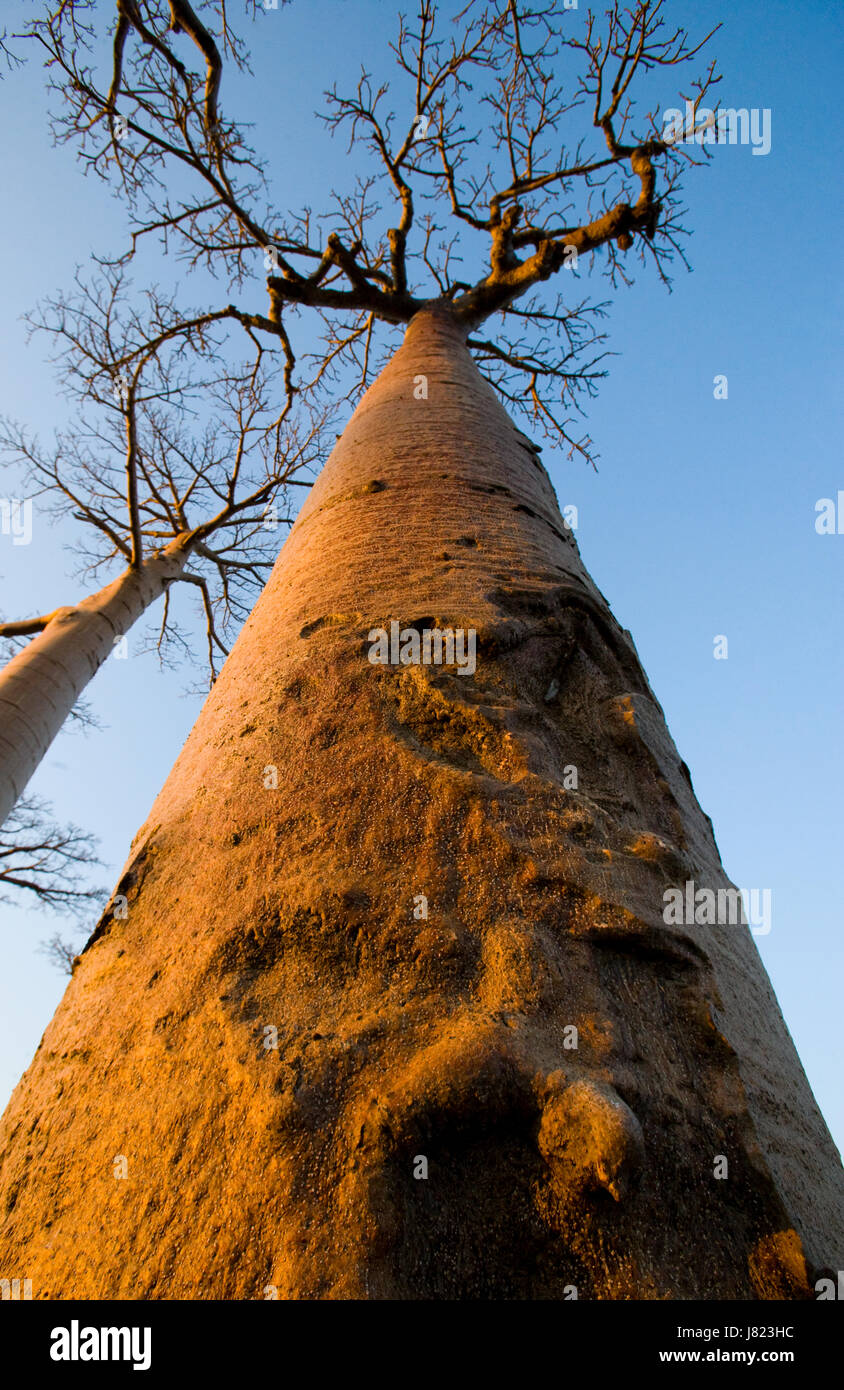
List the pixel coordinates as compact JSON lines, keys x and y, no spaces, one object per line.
{"x":515,"y":139}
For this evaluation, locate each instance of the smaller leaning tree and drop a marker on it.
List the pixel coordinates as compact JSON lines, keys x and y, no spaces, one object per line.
{"x":178,"y":466}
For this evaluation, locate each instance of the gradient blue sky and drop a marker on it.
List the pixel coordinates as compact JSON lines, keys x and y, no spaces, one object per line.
{"x":699,"y":522}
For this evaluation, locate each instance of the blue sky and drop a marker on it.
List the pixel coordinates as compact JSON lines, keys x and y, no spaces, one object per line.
{"x":699,"y":522}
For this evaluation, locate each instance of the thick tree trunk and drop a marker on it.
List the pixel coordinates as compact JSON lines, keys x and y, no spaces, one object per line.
{"x":42,"y":683}
{"x":279,"y":1043}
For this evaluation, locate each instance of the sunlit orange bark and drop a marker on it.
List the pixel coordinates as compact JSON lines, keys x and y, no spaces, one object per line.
{"x":276,"y":1035}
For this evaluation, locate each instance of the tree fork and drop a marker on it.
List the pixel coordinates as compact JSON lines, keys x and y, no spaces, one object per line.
{"x":372,"y":921}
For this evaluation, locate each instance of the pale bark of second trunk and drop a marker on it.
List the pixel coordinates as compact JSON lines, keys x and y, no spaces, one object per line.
{"x":41,"y":684}
{"x":374,"y":932}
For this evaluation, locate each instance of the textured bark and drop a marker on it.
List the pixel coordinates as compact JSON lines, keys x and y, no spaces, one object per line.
{"x":252,"y":907}
{"x":42,"y":683}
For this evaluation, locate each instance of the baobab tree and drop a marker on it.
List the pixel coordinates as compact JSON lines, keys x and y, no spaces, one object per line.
{"x":396,"y":1008}
{"x":178,"y":470}
{"x":156,"y":122}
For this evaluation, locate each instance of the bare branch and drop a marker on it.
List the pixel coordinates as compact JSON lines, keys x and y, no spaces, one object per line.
{"x":41,"y":859}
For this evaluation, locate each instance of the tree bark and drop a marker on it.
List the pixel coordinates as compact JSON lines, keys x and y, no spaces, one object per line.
{"x":278,"y":1041}
{"x":42,"y":683}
